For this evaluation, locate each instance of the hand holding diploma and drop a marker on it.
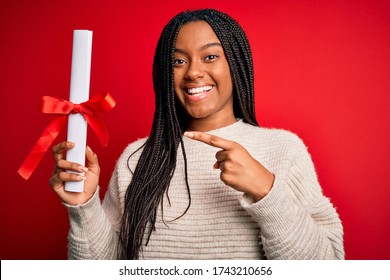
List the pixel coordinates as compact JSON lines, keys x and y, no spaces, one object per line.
{"x":239,"y":169}
{"x":60,"y":175}
{"x":79,"y":111}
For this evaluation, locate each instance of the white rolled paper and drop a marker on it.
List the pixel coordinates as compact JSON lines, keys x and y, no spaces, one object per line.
{"x":79,"y":92}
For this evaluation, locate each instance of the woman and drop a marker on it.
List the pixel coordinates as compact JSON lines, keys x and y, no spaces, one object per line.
{"x":228,"y":189}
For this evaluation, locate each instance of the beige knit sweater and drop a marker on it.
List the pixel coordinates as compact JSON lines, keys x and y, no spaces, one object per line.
{"x":294,"y":221}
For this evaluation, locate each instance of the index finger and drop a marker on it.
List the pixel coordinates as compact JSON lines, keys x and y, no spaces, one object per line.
{"x":209,"y":139}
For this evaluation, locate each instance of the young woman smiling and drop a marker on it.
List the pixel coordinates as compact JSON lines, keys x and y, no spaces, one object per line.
{"x":208,"y":182}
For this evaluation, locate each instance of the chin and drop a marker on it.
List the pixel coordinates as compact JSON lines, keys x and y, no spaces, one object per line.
{"x":198,"y":115}
{"x":199,"y":111}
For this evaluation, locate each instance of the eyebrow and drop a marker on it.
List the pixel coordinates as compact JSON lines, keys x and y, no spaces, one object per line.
{"x":208,"y":45}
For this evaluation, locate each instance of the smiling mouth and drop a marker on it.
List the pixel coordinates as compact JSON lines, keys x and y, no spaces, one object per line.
{"x":198,"y":90}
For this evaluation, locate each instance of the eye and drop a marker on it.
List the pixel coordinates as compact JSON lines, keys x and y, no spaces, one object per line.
{"x":211,"y":57}
{"x":178,"y":61}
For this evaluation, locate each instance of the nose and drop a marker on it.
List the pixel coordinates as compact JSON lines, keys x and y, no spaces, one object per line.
{"x":194,"y":71}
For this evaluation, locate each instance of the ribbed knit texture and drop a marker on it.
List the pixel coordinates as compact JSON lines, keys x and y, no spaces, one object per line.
{"x":294,"y":221}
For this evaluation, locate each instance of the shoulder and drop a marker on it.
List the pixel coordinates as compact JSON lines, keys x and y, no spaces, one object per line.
{"x":273,"y":146}
{"x":274,"y":137}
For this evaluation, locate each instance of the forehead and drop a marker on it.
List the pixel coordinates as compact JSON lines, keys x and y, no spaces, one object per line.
{"x":195,"y":34}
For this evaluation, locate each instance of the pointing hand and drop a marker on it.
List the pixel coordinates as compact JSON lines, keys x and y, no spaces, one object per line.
{"x":239,"y":169}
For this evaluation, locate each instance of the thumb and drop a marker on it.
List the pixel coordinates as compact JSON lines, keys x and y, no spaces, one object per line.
{"x":93,"y":163}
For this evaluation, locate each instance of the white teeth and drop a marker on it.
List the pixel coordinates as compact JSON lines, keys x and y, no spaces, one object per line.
{"x":198,"y":89}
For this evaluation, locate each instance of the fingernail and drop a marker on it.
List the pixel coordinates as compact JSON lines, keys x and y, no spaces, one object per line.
{"x":188,"y":134}
{"x":89,"y":149}
{"x":80,"y":178}
{"x":82,"y":168}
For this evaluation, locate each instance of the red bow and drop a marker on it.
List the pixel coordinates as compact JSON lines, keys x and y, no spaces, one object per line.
{"x":52,"y":105}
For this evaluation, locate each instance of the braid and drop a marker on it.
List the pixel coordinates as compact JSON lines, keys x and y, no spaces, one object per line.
{"x":239,"y":56}
{"x":157,"y":161}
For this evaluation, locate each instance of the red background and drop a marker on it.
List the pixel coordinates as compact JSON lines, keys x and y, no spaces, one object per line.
{"x":321,"y":70}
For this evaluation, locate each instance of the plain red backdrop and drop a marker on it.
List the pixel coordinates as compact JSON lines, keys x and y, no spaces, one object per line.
{"x":321,"y":70}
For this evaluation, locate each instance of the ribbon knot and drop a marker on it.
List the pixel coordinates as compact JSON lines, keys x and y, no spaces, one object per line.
{"x":62,"y":108}
{"x":76,"y":109}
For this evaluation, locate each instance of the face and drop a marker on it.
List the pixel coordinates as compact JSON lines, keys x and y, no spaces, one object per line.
{"x":203,"y":83}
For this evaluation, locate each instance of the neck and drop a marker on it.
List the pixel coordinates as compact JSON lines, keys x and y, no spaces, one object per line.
{"x":210,"y":123}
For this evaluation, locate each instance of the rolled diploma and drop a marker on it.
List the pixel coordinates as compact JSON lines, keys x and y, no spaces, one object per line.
{"x":79,"y":92}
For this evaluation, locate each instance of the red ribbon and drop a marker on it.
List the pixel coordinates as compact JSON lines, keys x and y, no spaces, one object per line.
{"x":52,"y":105}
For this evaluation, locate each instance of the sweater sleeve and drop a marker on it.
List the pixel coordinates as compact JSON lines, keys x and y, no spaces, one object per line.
{"x":93,"y":228}
{"x":296,"y":220}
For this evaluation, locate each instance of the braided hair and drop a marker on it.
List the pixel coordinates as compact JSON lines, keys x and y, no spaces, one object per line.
{"x":157,"y":162}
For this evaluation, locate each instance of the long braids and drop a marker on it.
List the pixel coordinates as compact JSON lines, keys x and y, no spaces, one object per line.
{"x":157,"y":161}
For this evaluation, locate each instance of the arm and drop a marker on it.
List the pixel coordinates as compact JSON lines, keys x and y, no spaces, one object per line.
{"x":93,"y":227}
{"x":297,"y":221}
{"x":91,"y":235}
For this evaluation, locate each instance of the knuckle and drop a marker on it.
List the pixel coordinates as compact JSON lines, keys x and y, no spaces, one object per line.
{"x":74,"y":166}
{"x":228,"y":157}
{"x":236,"y":145}
{"x":62,"y":175}
{"x":54,"y":150}
{"x":225,"y":178}
{"x":213,"y":139}
{"x":61,"y":163}
{"x":226,"y":166}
